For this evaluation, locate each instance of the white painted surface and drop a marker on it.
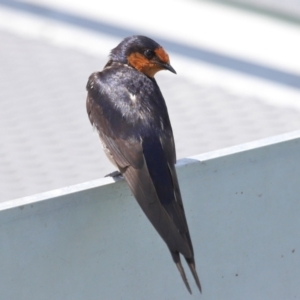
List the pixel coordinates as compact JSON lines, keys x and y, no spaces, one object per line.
{"x":91,"y":241}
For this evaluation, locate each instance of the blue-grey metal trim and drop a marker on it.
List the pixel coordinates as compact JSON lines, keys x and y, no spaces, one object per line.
{"x":91,"y":241}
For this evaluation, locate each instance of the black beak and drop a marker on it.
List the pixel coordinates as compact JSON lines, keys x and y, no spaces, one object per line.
{"x":167,"y":67}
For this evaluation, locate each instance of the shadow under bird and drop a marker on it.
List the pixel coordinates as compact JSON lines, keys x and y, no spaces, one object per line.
{"x":126,"y":106}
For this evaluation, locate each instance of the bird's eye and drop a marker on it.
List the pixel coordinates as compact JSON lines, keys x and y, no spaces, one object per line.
{"x":149,"y":53}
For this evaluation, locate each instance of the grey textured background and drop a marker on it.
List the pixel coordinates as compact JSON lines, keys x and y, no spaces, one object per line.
{"x":47,"y":141}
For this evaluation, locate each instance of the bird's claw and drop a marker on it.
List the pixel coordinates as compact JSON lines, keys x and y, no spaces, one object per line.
{"x":114,"y":174}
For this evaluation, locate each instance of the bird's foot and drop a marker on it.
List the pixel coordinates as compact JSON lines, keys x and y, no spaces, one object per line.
{"x":114,"y":174}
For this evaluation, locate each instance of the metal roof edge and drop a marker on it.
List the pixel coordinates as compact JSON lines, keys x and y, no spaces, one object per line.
{"x":181,"y":163}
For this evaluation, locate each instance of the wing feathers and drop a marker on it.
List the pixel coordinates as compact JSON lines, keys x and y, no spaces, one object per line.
{"x":144,"y":191}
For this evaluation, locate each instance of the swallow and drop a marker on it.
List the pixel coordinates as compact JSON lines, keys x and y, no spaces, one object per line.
{"x":127,"y":108}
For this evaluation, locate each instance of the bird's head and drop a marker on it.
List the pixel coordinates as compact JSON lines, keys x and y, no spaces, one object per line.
{"x":143,"y":54}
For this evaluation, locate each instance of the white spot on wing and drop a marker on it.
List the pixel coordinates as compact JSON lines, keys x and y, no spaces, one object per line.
{"x":132,"y":97}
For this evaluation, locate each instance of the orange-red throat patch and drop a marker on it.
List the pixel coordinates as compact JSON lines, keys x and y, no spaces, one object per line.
{"x":142,"y":64}
{"x":162,"y":55}
{"x":148,"y":67}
